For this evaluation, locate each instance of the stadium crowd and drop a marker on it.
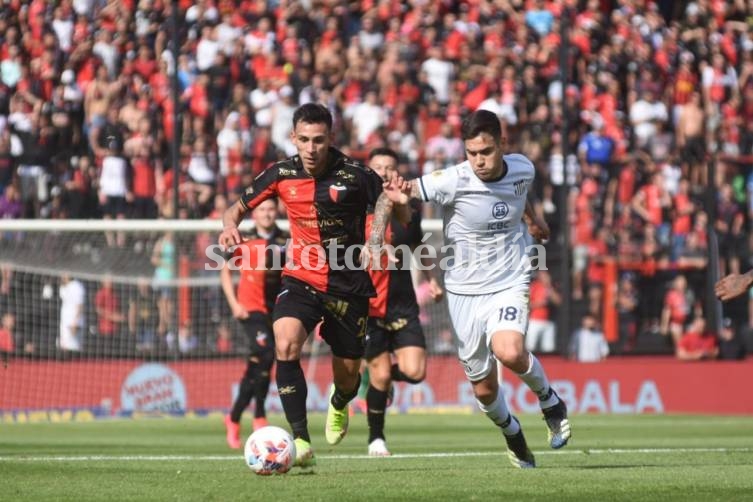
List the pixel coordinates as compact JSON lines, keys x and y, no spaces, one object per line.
{"x":656,"y":88}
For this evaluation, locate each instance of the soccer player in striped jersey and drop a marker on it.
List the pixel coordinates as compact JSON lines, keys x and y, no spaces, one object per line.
{"x":393,"y":326}
{"x":327,"y":196}
{"x":487,"y":221}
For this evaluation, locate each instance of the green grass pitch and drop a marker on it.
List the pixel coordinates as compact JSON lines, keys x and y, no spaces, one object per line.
{"x":436,"y":457}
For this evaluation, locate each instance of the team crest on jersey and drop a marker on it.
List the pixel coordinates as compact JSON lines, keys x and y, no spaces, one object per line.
{"x":337,"y":192}
{"x":293,"y":192}
{"x":500,"y":210}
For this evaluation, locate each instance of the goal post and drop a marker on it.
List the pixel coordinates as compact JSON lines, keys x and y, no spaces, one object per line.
{"x":91,"y":308}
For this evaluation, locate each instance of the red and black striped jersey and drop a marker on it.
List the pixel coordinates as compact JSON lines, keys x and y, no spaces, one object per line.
{"x":262,"y":259}
{"x":327,"y":215}
{"x":396,"y":297}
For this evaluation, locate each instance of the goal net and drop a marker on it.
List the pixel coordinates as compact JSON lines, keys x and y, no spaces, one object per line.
{"x":118,"y":318}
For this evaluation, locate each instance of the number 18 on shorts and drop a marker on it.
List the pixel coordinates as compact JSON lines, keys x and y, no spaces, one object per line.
{"x":476,"y":317}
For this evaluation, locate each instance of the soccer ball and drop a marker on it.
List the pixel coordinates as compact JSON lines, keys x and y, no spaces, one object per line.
{"x":270,"y":450}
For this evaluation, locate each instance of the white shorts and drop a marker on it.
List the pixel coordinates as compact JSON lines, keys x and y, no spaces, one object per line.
{"x":476,"y":317}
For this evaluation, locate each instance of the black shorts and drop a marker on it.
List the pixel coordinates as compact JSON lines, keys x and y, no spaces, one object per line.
{"x":343,"y":320}
{"x":258,"y":329}
{"x":115,"y":206}
{"x":388,"y":336}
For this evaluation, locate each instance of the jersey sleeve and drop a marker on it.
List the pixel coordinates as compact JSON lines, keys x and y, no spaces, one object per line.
{"x":439,"y":186}
{"x":262,"y":188}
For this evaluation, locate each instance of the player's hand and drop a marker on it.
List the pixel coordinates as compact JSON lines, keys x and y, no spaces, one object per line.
{"x":230,"y":236}
{"x":239,"y":312}
{"x":538,"y":229}
{"x":395,"y":190}
{"x":435,"y":290}
{"x":731,"y":286}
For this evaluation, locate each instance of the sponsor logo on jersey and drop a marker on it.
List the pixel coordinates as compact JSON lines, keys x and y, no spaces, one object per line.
{"x":520,"y":187}
{"x":500,"y":210}
{"x":337,"y":192}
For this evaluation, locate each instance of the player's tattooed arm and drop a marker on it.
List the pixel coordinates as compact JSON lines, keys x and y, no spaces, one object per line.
{"x":382,"y":214}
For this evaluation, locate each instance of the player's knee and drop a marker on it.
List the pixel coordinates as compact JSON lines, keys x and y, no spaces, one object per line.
{"x":414,"y":374}
{"x":379,"y":376}
{"x":514,"y":358}
{"x":288,"y":350}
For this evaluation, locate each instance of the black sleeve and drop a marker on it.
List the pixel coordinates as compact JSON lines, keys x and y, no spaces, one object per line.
{"x":262,"y":188}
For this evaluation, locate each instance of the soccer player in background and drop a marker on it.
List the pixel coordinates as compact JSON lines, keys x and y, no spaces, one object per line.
{"x":327,"y":196}
{"x":488,"y":279}
{"x":393,"y":326}
{"x":259,"y":258}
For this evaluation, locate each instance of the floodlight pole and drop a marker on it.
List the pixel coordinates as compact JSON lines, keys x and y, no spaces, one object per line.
{"x":175,"y":151}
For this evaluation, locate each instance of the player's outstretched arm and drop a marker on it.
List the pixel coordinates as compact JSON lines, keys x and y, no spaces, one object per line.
{"x":537,"y":227}
{"x":733,"y":285}
{"x":230,"y":221}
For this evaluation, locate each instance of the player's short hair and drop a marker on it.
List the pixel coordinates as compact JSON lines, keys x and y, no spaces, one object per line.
{"x":387,"y":152}
{"x":479,"y":122}
{"x":313,"y":113}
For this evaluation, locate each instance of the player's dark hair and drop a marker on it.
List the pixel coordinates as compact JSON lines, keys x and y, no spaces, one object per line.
{"x":313,"y":113}
{"x":479,"y":122}
{"x":387,"y":152}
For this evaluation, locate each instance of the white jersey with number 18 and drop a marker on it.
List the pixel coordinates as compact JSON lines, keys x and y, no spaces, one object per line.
{"x":484,"y":231}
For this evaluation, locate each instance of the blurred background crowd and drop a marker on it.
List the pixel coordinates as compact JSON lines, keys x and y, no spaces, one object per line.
{"x":656,"y":89}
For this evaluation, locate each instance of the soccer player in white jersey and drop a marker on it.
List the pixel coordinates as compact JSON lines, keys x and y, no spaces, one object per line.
{"x":487,"y":221}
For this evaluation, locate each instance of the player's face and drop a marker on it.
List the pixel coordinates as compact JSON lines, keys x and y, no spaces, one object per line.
{"x":384,"y":165}
{"x":485,"y":156}
{"x":264,"y":215}
{"x":312,"y":142}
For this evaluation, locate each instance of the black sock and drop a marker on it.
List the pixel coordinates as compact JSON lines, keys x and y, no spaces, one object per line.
{"x":398,"y":376}
{"x":245,"y":393}
{"x":291,"y":385}
{"x":261,"y":387}
{"x":376,"y":404}
{"x":340,"y":399}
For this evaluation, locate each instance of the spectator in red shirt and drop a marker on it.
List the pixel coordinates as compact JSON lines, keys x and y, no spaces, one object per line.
{"x":541,"y":335}
{"x":7,"y":343}
{"x":678,"y":303}
{"x":109,"y":314}
{"x":697,"y":343}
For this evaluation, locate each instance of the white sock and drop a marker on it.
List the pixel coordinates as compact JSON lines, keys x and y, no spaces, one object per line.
{"x":537,"y":381}
{"x":500,"y":415}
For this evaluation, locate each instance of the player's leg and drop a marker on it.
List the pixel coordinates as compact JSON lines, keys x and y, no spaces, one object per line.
{"x":261,"y":387}
{"x":475,"y":355}
{"x":507,"y":318}
{"x":290,"y":334}
{"x":242,"y":400}
{"x":409,"y":346}
{"x":379,"y":363}
{"x":344,"y":330}
{"x":245,"y":390}
{"x":296,"y":313}
{"x":491,"y":400}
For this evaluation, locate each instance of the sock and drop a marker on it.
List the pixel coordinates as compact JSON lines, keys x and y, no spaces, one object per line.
{"x":537,"y":381}
{"x":260,"y":390}
{"x":291,"y":385}
{"x":340,"y":399}
{"x":376,"y":404}
{"x":245,"y":393}
{"x":500,"y":415}
{"x":398,"y":376}
{"x":364,"y":387}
